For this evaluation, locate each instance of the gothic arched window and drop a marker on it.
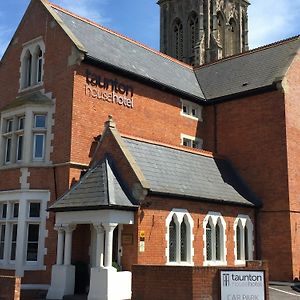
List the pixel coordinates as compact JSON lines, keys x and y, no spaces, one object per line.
{"x":221,"y":32}
{"x":232,"y":37}
{"x":214,"y":239}
{"x":193,"y":33}
{"x":243,"y":239}
{"x":244,"y":42}
{"x":179,"y":237}
{"x":178,"y":39}
{"x":172,"y":241}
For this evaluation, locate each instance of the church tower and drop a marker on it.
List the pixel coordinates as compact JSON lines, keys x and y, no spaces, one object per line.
{"x":202,"y":31}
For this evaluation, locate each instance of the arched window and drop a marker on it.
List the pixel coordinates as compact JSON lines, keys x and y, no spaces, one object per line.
{"x":183,"y":241}
{"x":32,"y":64}
{"x":243,"y":228}
{"x":39,"y":65}
{"x":178,"y":39}
{"x":179,"y":237}
{"x":214,"y":239}
{"x":208,"y":241}
{"x":27,"y":69}
{"x":193,"y":33}
{"x":172,"y":240}
{"x":211,"y":11}
{"x":232,"y":37}
{"x":221,"y":32}
{"x":244,"y":42}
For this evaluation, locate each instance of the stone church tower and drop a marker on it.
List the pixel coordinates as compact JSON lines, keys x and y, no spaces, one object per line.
{"x":202,"y":31}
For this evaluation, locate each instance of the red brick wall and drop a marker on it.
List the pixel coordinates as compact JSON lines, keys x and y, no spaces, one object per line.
{"x":251,"y":133}
{"x":155,"y":115}
{"x":10,"y":287}
{"x":177,"y":283}
{"x":152,"y":220}
{"x":291,"y":86}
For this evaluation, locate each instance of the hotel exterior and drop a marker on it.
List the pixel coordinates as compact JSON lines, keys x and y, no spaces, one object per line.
{"x":113,"y":154}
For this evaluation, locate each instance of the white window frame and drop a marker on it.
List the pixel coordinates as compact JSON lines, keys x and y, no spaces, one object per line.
{"x":247,"y":224}
{"x":28,"y":111}
{"x":190,"y":106}
{"x":214,"y":218}
{"x":192,"y":139}
{"x":181,"y":215}
{"x":20,"y":264}
{"x":32,"y":48}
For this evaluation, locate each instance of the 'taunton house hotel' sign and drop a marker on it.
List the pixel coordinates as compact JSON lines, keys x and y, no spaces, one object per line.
{"x":109,"y":90}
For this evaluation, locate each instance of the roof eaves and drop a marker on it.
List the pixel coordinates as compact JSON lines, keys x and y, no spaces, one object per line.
{"x":94,"y":61}
{"x":66,"y":29}
{"x":96,"y":207}
{"x":195,"y":198}
{"x":243,"y":94}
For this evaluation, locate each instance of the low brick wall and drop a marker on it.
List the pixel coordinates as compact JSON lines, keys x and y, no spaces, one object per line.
{"x":10,"y":287}
{"x":183,"y":283}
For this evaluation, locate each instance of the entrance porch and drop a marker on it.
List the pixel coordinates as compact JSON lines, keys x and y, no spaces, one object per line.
{"x":103,"y":276}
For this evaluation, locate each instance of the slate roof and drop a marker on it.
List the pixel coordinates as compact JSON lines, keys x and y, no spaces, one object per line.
{"x":248,"y":71}
{"x":180,"y":173}
{"x":252,"y":70}
{"x":112,"y":49}
{"x":99,"y":188}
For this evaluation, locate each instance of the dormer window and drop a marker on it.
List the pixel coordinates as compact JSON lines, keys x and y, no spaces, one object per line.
{"x":32,"y":61}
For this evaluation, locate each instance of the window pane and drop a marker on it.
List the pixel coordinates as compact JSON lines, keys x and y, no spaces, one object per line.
{"x":40,"y":121}
{"x":28,"y":70}
{"x":39,"y":145}
{"x":172,"y":241}
{"x":33,"y":242}
{"x":34,"y":210}
{"x":246,"y":243}
{"x":16,"y":210}
{"x":20,"y":147}
{"x":13,"y":242}
{"x":39,"y":66}
{"x":2,"y":239}
{"x":218,"y":242}
{"x":21,"y":121}
{"x":238,"y":242}
{"x":8,"y":150}
{"x":208,"y":242}
{"x":9,"y":125}
{"x":183,"y":242}
{"x":4,"y":211}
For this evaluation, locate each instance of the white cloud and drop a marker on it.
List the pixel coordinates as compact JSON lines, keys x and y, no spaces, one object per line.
{"x":271,"y":20}
{"x":90,"y":9}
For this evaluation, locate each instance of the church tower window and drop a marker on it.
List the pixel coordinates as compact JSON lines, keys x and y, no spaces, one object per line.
{"x":193,"y":27}
{"x":178,"y":39}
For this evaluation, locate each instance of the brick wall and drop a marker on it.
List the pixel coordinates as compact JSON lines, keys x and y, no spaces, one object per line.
{"x":10,"y":287}
{"x":251,"y":133}
{"x":189,"y":283}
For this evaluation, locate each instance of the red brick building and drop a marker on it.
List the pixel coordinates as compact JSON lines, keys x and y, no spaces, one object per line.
{"x":198,"y":166}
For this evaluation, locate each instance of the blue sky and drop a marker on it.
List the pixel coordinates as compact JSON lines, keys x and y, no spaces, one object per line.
{"x":269,"y":20}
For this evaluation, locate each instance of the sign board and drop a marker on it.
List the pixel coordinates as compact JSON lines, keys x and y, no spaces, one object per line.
{"x":242,"y":285}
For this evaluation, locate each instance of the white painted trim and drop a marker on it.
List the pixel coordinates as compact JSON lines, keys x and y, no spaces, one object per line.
{"x":192,"y":138}
{"x":180,"y":215}
{"x":214,"y":218}
{"x":191,"y":105}
{"x":24,"y":197}
{"x":245,"y":221}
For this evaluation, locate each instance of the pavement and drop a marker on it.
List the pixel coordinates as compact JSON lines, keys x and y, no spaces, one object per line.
{"x":281,"y":292}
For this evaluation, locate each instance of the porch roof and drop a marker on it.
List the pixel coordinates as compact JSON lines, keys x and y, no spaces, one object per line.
{"x":98,"y":189}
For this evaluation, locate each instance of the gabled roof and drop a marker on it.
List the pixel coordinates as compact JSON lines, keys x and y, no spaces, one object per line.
{"x":256,"y":69}
{"x":189,"y":175}
{"x":114,"y":50}
{"x":98,"y":189}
